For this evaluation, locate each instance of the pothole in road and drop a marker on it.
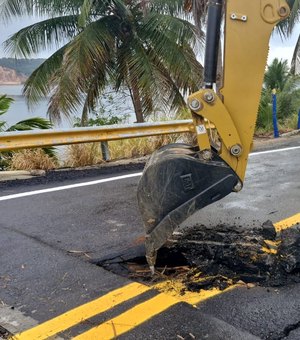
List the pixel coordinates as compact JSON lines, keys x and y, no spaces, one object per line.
{"x":217,"y":257}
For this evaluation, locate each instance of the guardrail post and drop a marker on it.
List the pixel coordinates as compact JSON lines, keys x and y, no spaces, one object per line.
{"x":105,"y":151}
{"x":274,"y":101}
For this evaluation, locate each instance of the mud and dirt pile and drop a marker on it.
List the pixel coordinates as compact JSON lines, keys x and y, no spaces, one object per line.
{"x":216,"y":257}
{"x":259,"y":255}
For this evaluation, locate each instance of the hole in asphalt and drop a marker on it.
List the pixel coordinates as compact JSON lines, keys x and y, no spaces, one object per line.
{"x":205,"y":257}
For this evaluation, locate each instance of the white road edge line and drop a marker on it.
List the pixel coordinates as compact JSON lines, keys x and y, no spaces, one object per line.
{"x":274,"y":151}
{"x":111,"y":179}
{"x":67,"y":187}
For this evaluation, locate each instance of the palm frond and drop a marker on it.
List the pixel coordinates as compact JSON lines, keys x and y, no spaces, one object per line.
{"x":2,"y":126}
{"x":291,"y":84}
{"x":95,"y":45}
{"x":286,"y":27}
{"x":5,"y":103}
{"x":19,"y":8}
{"x":42,"y":35}
{"x":295,"y":14}
{"x":30,"y":124}
{"x":165,"y":30}
{"x":93,"y":92}
{"x":88,"y":53}
{"x":172,"y":7}
{"x":38,"y":85}
{"x":85,"y":12}
{"x":66,"y":96}
{"x":296,"y":55}
{"x":178,"y":35}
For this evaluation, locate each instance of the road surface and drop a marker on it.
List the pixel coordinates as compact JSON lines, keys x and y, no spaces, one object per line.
{"x":54,"y":228}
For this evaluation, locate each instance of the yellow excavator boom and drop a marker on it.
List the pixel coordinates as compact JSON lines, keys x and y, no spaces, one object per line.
{"x":248,"y":26}
{"x":180,"y":179}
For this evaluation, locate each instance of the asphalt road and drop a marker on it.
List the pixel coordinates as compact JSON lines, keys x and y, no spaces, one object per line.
{"x":50,"y":238}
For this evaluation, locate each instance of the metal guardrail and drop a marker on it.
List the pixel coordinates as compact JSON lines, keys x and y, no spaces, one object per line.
{"x":42,"y":138}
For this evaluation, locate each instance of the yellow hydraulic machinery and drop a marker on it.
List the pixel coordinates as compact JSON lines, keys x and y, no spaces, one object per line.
{"x":180,"y":179}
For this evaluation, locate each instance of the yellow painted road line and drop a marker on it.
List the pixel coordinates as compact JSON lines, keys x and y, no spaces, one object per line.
{"x":174,"y":288}
{"x":132,"y":318}
{"x":139,"y":314}
{"x":84,"y":312}
{"x":271,"y":246}
{"x":287,"y":223}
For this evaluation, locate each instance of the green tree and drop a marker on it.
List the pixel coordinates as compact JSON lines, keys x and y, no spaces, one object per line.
{"x":278,"y":77}
{"x":136,"y":44}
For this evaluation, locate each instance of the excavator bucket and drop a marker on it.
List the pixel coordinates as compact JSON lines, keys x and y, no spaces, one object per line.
{"x":176,"y":182}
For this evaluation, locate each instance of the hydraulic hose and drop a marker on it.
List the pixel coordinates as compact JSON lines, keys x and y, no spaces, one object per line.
{"x":213,"y":28}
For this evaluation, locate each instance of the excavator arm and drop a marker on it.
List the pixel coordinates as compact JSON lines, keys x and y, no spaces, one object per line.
{"x":180,"y":179}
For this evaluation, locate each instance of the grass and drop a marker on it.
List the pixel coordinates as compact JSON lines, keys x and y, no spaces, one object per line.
{"x":32,"y":159}
{"x":79,"y":155}
{"x":138,"y":147}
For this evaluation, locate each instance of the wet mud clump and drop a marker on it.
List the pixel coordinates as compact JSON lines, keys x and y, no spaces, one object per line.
{"x":204,"y":257}
{"x":258,"y":255}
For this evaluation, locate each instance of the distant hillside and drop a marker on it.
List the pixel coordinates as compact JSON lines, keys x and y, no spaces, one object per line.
{"x":21,"y":66}
{"x":9,"y":76}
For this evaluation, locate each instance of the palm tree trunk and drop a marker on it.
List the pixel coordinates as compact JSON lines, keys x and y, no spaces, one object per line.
{"x":84,"y":118}
{"x":136,"y":100}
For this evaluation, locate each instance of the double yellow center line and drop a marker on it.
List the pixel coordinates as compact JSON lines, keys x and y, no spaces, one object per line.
{"x":116,"y":326}
{"x":82,"y":313}
{"x":129,"y":319}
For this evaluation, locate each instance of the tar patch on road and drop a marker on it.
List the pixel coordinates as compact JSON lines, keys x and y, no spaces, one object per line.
{"x":218,"y":257}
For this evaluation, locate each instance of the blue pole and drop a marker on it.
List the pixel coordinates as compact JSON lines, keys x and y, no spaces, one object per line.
{"x":274,"y":100}
{"x":298,"y":126}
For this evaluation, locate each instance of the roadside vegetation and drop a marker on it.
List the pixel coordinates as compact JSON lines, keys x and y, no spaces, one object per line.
{"x":139,"y":45}
{"x":144,"y":51}
{"x":278,"y":77}
{"x":26,"y":159}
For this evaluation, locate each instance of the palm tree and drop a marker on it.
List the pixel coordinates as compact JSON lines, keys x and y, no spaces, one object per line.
{"x":277,"y":75}
{"x":137,"y":44}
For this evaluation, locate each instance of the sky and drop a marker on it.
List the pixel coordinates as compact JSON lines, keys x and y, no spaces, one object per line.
{"x":281,"y":49}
